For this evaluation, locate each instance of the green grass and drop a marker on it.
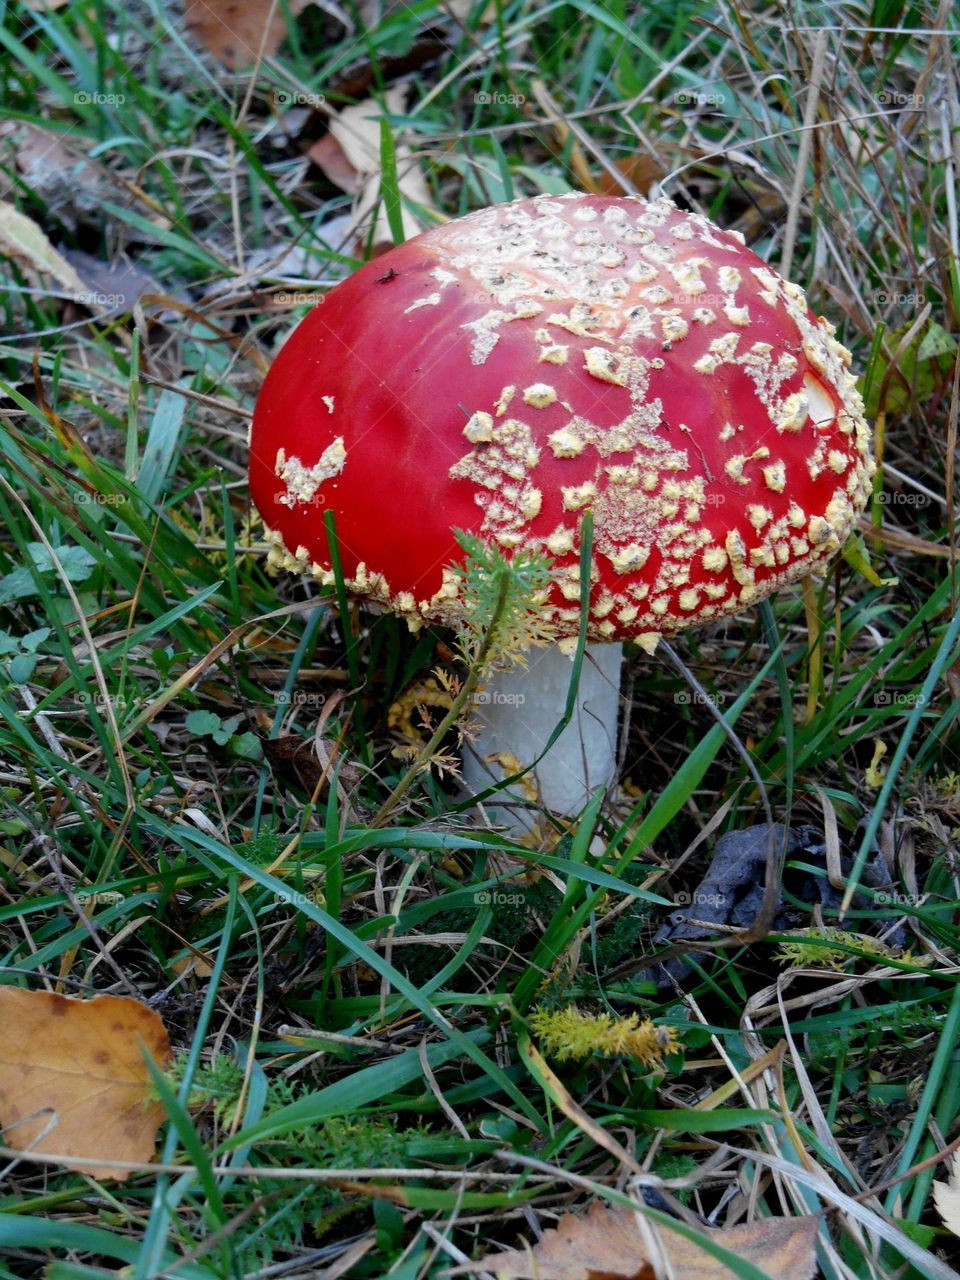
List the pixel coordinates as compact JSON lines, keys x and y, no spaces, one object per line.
{"x":363,"y":1007}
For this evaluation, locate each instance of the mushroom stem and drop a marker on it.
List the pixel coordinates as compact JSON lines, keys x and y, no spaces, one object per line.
{"x":519,"y":709}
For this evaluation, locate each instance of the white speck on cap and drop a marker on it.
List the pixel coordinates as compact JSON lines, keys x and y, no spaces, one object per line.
{"x":575,"y":497}
{"x":479,"y":428}
{"x":540,"y":395}
{"x":565,"y":442}
{"x":302,"y":482}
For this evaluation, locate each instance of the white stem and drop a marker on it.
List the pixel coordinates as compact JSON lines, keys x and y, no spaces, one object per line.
{"x":519,"y":709}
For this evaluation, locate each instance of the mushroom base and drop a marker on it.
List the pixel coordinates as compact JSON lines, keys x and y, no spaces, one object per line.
{"x":517,"y":712}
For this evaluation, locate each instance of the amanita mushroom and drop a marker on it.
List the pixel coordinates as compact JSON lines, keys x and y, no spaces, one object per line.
{"x":506,"y":372}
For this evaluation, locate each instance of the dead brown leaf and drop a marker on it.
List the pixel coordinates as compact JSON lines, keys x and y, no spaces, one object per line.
{"x":69,"y":185}
{"x":101,"y":287}
{"x":195,"y":964}
{"x":295,"y":760}
{"x":349,"y":155}
{"x":750,"y":207}
{"x":641,"y":171}
{"x":37,"y":151}
{"x":606,"y":1243}
{"x":946,"y":1196}
{"x":23,"y":241}
{"x":236,"y":32}
{"x":328,"y":155}
{"x":112,"y":286}
{"x":75,"y":1067}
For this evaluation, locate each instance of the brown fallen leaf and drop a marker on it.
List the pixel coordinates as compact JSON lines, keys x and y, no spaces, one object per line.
{"x":295,"y":760}
{"x":115,"y":286}
{"x":23,"y":241}
{"x":606,"y":1243}
{"x":750,"y":206}
{"x":641,"y":171}
{"x":195,"y":963}
{"x":36,"y":151}
{"x":946,"y":1196}
{"x":103,"y":288}
{"x":68,"y":184}
{"x":237,"y":31}
{"x":349,"y":155}
{"x":328,"y":155}
{"x":75,"y":1067}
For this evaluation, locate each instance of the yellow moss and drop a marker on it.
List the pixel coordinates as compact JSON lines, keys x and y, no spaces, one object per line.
{"x":570,"y":1033}
{"x":826,"y":949}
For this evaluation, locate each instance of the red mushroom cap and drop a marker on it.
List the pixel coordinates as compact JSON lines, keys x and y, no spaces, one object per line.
{"x":507,"y":371}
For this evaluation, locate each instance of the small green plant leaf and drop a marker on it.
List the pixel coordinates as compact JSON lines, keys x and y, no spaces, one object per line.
{"x":204,"y":722}
{"x":77,"y":562}
{"x":247,"y":746}
{"x":21,"y":667}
